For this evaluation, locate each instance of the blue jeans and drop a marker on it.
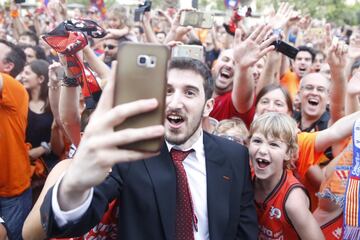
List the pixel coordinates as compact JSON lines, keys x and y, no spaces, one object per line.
{"x":14,"y":211}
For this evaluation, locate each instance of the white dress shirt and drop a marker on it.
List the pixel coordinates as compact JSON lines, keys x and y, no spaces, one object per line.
{"x":195,"y":167}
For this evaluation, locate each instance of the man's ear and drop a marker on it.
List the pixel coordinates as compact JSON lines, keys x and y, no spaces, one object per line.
{"x":41,"y":79}
{"x":209,"y":105}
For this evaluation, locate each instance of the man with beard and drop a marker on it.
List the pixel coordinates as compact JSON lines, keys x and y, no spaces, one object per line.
{"x":216,"y":201}
{"x":15,"y":176}
{"x":234,"y":76}
{"x":110,"y":46}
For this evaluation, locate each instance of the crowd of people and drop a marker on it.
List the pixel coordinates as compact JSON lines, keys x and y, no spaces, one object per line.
{"x":257,"y":145}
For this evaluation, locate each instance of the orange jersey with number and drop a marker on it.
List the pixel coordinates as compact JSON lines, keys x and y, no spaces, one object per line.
{"x":274,"y":224}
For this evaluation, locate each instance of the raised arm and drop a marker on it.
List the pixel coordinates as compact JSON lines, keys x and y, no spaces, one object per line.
{"x":69,"y":108}
{"x":149,"y":33}
{"x":352,"y":94}
{"x":246,"y":54}
{"x":337,"y":61}
{"x":340,"y":130}
{"x":95,"y":63}
{"x":354,"y":52}
{"x":99,"y":149}
{"x":177,"y":32}
{"x":18,"y":25}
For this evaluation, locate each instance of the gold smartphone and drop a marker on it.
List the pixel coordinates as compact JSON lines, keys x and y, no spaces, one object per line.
{"x":196,"y":19}
{"x":141,"y":74}
{"x":191,"y":51}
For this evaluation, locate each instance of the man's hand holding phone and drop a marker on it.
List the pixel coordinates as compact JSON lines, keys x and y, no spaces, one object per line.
{"x":101,"y":146}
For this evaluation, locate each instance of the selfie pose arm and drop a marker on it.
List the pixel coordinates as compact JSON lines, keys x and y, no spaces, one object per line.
{"x":98,"y":152}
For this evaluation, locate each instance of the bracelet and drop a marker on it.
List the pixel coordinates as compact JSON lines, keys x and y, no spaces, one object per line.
{"x":277,"y":32}
{"x":46,"y":146}
{"x":70,"y":82}
{"x":53,"y":85}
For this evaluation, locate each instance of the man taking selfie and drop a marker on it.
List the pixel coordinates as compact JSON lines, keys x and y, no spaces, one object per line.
{"x":197,"y":187}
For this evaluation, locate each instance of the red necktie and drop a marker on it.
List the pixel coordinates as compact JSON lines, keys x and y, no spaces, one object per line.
{"x":184,"y":209}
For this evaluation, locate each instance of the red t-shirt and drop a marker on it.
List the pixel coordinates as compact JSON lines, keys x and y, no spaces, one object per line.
{"x":333,"y":229}
{"x":224,"y":109}
{"x":273,"y":220}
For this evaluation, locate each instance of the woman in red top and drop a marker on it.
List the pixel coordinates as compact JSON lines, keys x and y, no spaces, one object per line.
{"x":282,"y":203}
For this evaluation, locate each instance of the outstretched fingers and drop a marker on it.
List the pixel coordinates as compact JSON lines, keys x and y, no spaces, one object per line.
{"x":118,"y":114}
{"x":254,"y":35}
{"x":112,"y":156}
{"x":264,"y":32}
{"x":126,"y":136}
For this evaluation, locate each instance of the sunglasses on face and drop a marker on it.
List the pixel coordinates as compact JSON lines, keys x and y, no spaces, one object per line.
{"x":109,"y":46}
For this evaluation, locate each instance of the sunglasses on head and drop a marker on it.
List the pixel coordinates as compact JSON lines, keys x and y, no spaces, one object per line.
{"x":109,"y":46}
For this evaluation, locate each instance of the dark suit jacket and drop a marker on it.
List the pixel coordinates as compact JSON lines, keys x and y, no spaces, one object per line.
{"x":147,"y":193}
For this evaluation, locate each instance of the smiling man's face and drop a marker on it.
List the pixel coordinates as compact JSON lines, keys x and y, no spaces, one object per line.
{"x":314,"y":94}
{"x":302,"y":63}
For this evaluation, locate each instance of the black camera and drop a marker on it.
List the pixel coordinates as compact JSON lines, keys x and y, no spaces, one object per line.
{"x":284,"y":47}
{"x":146,"y":7}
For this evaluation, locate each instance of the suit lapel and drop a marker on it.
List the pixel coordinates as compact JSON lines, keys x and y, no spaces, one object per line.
{"x":162,"y":174}
{"x":219,"y":177}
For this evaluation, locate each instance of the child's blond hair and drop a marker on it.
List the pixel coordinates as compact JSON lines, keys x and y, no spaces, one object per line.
{"x":232,"y":124}
{"x":279,"y":126}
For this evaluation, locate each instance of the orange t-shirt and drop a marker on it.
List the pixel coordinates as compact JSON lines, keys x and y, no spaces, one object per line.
{"x":291,"y":82}
{"x":14,"y":159}
{"x":307,"y":158}
{"x":307,"y":154}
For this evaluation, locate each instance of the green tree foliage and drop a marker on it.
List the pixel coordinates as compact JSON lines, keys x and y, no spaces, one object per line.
{"x":336,"y":11}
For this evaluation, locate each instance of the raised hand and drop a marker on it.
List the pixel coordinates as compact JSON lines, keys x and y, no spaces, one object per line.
{"x":54,"y":69}
{"x":100,"y":147}
{"x":57,"y":9}
{"x":337,"y":54}
{"x":283,"y":16}
{"x":254,"y":47}
{"x":178,"y":32}
{"x":304,"y":23}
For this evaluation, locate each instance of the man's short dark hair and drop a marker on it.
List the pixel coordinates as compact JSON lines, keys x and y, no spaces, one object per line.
{"x":39,"y":51}
{"x":355,"y":65}
{"x":16,"y":56}
{"x":309,"y":50}
{"x":31,"y":35}
{"x":184,"y":63}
